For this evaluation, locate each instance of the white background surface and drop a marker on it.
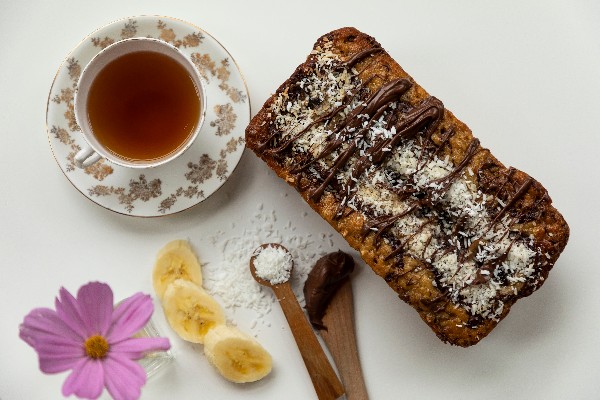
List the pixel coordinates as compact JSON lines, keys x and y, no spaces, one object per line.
{"x":524,"y":76}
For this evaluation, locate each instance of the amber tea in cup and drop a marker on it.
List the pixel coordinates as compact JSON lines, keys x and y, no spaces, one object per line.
{"x":139,"y":105}
{"x":143,"y":106}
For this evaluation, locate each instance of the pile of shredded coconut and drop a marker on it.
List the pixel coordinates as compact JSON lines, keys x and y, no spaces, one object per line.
{"x":273,"y":264}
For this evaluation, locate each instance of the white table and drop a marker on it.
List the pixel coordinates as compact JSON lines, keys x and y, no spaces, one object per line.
{"x":524,"y":76}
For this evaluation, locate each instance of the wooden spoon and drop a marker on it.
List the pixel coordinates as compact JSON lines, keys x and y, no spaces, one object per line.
{"x":340,"y":337}
{"x":326,"y":383}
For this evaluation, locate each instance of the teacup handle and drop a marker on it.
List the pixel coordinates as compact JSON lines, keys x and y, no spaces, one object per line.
{"x":86,"y":157}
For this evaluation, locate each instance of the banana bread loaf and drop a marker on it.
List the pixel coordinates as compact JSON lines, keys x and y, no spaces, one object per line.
{"x":459,"y":236}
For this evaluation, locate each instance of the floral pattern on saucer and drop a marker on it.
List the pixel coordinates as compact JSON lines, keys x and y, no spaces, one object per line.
{"x":193,"y":176}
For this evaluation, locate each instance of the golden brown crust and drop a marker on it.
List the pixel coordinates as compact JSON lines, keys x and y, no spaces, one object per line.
{"x":413,"y":281}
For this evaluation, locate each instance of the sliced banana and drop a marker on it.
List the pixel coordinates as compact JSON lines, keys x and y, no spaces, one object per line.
{"x":237,"y":356}
{"x":174,"y":245}
{"x":176,"y":260}
{"x":191,"y":311}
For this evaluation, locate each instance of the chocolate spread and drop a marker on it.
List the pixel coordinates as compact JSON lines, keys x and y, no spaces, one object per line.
{"x":326,"y":277}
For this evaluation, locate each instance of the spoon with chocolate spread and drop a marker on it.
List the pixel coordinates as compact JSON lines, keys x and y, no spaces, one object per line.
{"x":329,"y":303}
{"x":271,"y":265}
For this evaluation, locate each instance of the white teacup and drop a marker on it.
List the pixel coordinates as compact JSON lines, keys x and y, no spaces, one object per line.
{"x":96,"y":150}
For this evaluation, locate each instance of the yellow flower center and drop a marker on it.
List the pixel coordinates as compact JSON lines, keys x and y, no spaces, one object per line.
{"x":96,"y":347}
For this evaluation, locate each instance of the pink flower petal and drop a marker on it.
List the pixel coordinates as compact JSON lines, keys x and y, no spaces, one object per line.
{"x":96,"y":306}
{"x":135,"y":348}
{"x":43,"y":324}
{"x":123,"y":378}
{"x":86,"y":380}
{"x":54,"y":363}
{"x":129,"y":317}
{"x":60,"y":349}
{"x":55,"y":341}
{"x":68,"y":310}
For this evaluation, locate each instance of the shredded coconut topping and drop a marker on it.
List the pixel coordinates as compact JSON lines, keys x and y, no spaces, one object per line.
{"x":458,"y":217}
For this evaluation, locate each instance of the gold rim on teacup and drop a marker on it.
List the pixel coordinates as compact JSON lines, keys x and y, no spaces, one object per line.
{"x":95,"y":151}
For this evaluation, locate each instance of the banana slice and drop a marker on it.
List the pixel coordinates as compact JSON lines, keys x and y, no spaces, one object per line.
{"x":176,"y":260}
{"x":174,"y":245}
{"x":237,"y":356}
{"x":191,"y":311}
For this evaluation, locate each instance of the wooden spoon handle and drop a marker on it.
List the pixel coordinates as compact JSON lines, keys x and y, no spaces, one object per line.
{"x":326,"y":383}
{"x":340,"y":338}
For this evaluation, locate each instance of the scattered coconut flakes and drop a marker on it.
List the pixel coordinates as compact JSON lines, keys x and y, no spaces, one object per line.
{"x":229,"y":277}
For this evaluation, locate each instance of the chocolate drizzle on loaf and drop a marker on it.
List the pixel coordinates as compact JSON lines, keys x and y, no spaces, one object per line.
{"x":353,"y":132}
{"x":352,"y":61}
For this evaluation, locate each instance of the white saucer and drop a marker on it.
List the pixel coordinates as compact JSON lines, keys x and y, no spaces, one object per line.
{"x":181,"y":183}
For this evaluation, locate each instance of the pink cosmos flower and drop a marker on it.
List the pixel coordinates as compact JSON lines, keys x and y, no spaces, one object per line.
{"x":93,"y":339}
